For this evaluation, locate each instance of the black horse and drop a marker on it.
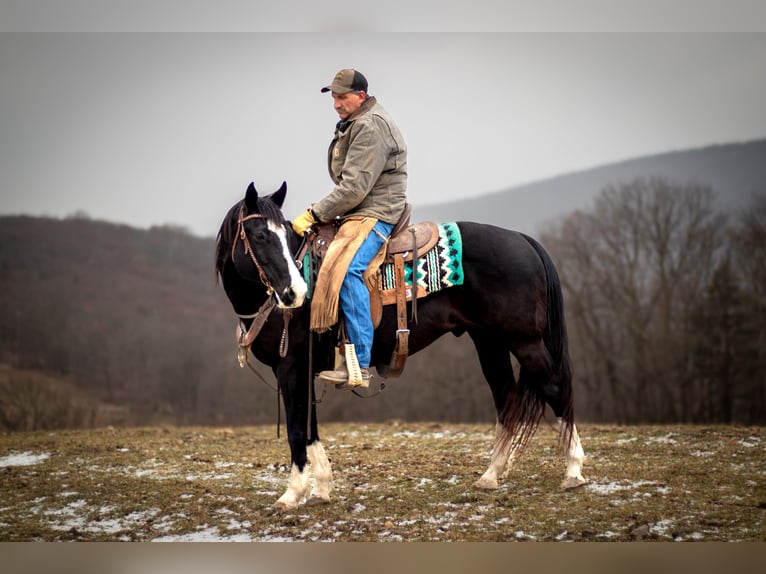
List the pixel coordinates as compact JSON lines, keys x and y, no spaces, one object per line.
{"x":510,"y":302}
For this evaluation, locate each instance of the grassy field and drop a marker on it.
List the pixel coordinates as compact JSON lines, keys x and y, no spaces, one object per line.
{"x":393,"y":482}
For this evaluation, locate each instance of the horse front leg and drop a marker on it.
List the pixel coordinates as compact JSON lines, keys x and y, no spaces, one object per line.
{"x":293,"y":382}
{"x":305,"y":449}
{"x":323,"y":481}
{"x":298,"y":486}
{"x":296,"y":490}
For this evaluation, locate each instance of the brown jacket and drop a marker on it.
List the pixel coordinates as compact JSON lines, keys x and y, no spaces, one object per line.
{"x":367,"y":160}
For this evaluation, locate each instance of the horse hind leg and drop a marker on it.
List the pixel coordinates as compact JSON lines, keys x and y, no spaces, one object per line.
{"x":495,"y":360}
{"x":575,"y":457}
{"x":503,"y":455}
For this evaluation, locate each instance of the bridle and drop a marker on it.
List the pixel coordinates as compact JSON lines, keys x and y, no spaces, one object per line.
{"x":241,"y":235}
{"x":259,"y":318}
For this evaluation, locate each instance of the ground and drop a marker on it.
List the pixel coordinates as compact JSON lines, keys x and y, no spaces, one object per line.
{"x":393,"y":482}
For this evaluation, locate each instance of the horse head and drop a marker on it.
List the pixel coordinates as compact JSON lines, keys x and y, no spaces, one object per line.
{"x":260,"y":246}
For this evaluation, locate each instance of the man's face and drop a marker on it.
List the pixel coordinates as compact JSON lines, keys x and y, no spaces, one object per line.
{"x":346,"y":104}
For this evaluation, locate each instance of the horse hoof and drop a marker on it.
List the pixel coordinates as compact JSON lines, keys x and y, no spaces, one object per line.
{"x":485,"y":484}
{"x":317,"y":501}
{"x":281,"y":506}
{"x":572,"y":482}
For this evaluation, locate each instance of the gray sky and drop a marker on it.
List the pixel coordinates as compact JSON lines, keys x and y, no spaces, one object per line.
{"x":150,"y":129}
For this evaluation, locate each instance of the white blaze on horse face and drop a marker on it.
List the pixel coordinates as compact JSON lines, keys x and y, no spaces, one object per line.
{"x":297,"y":284}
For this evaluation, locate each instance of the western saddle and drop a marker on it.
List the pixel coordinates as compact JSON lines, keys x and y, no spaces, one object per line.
{"x":405,"y":244}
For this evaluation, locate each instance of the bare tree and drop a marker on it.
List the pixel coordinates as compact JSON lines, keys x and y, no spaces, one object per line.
{"x":749,"y":252}
{"x":631,"y":267}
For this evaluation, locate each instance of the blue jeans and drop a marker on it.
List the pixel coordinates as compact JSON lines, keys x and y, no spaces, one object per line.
{"x":355,"y":298}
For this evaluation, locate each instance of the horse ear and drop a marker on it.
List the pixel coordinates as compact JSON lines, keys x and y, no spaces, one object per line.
{"x":251,"y":198}
{"x":278,"y":196}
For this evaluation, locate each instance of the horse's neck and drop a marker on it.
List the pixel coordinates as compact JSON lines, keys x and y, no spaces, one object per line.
{"x":294,"y":241}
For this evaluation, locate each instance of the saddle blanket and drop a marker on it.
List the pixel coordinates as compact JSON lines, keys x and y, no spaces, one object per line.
{"x":437,"y":269}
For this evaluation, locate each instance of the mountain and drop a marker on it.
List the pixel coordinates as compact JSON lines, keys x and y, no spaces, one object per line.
{"x":734,"y":171}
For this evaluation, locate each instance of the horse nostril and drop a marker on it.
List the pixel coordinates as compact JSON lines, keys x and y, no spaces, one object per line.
{"x":288,"y":296}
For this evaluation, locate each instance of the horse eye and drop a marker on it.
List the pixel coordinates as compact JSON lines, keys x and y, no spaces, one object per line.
{"x":260,"y":236}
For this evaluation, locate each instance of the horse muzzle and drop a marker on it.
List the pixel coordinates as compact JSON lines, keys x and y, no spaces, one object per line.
{"x":291,"y":296}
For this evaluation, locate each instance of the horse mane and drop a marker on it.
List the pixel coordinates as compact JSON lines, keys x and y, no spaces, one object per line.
{"x":228,"y":230}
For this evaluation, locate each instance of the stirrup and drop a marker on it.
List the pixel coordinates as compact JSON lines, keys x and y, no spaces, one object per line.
{"x":355,"y":378}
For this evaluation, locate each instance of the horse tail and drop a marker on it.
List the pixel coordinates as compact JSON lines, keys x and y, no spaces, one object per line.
{"x":525,"y":405}
{"x":555,"y":339}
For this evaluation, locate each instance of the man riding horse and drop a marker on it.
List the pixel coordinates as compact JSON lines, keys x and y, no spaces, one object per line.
{"x":367,"y":160}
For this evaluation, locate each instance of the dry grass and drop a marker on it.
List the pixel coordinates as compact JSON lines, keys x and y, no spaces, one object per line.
{"x":393,"y":482}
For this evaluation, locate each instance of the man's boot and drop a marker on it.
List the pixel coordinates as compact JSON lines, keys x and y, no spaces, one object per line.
{"x":348,"y":374}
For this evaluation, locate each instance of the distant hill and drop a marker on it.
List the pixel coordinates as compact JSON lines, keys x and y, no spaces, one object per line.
{"x":734,"y":171}
{"x":106,"y":324}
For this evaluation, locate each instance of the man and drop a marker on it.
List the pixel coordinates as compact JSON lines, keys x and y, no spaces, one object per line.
{"x":367,"y":160}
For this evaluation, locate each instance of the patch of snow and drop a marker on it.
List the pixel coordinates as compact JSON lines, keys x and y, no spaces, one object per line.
{"x":746,"y":442}
{"x":205,"y":534}
{"x":23,"y":459}
{"x":626,"y":440}
{"x":702,"y":453}
{"x":612,"y":487}
{"x":662,"y":527}
{"x":521,"y":535}
{"x":667,"y":439}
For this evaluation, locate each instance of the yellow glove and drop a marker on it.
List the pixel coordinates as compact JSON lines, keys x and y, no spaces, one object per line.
{"x":303,"y":222}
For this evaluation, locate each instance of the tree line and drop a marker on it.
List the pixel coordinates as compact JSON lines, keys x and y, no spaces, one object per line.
{"x":665,"y":305}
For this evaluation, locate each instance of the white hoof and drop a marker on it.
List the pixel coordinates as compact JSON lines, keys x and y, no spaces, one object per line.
{"x":486,"y":484}
{"x":571,"y":482}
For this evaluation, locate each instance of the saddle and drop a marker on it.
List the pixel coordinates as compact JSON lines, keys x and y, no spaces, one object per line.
{"x":405,"y":244}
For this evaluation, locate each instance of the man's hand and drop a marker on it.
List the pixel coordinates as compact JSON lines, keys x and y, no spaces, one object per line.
{"x":303,"y":222}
